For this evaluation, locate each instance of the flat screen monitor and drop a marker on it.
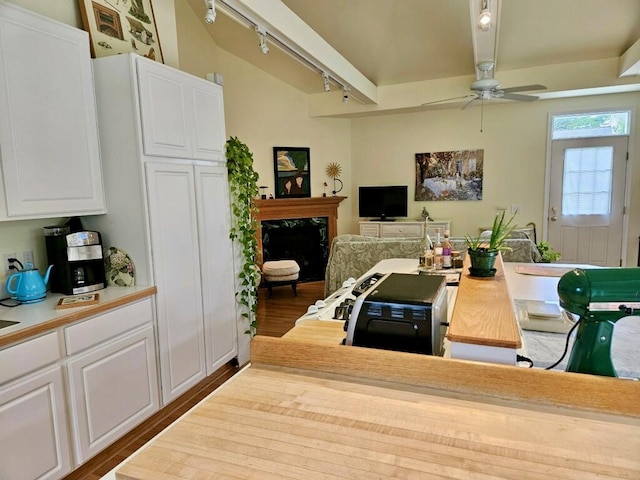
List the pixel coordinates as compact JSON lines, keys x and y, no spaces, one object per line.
{"x":382,"y":202}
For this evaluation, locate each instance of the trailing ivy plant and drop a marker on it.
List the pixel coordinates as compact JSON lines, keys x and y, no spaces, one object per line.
{"x":243,"y":185}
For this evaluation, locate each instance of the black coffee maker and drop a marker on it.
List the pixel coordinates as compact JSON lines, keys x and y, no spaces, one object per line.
{"x":77,"y":259}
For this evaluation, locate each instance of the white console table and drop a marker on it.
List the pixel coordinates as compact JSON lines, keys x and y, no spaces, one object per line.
{"x":402,"y":228}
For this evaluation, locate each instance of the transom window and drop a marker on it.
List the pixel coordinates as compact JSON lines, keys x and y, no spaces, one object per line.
{"x":593,"y":124}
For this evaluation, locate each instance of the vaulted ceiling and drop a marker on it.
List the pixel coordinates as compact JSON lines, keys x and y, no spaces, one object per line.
{"x":397,"y":54}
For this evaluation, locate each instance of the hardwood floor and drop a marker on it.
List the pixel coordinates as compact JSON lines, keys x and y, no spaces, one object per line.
{"x":276,"y":316}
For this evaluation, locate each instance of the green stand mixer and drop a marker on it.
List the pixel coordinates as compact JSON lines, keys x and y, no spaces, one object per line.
{"x":601,"y":297}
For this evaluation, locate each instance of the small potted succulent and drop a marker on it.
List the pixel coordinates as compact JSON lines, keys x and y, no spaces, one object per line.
{"x":483,"y":251}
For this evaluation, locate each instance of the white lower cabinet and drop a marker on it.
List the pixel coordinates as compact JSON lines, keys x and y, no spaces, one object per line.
{"x":34,"y":439}
{"x":113,"y":383}
{"x":113,"y":388}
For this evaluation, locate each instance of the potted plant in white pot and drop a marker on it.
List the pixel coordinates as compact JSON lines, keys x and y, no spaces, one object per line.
{"x":483,"y":251}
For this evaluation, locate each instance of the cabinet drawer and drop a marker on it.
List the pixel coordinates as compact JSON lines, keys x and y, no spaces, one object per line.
{"x":98,"y":329}
{"x":369,"y":229}
{"x":401,"y":230}
{"x":28,"y":356}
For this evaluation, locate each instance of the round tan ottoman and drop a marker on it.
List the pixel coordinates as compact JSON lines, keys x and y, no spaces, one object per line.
{"x":281,"y":272}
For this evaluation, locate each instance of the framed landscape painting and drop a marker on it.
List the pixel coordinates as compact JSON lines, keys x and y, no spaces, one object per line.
{"x":291,"y":169}
{"x":121,"y":26}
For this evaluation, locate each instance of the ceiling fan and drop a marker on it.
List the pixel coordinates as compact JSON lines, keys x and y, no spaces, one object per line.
{"x":486,"y":87}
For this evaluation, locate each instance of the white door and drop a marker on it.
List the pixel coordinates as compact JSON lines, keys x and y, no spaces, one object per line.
{"x":216,"y":259}
{"x":176,"y":266}
{"x":37,"y":448}
{"x":586,"y":199}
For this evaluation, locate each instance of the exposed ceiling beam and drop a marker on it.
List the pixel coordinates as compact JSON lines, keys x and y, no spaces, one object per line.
{"x":630,"y":61}
{"x":289,"y":31}
{"x":485,"y":42}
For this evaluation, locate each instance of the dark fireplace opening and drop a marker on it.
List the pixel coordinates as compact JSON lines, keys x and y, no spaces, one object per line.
{"x":304,"y":240}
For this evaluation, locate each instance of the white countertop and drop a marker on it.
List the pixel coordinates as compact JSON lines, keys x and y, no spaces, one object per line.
{"x":36,"y":316}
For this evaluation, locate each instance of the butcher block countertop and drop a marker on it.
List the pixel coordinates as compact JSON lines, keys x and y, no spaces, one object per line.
{"x":311,"y":411}
{"x":41,"y":317}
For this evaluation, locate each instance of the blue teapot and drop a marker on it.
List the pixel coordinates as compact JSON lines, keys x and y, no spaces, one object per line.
{"x":28,"y":286}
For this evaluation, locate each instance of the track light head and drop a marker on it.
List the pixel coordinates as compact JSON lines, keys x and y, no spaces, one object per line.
{"x":262,"y":34}
{"x":210,"y":16}
{"x":325,"y":78}
{"x":345,"y":94}
{"x":484,"y":20}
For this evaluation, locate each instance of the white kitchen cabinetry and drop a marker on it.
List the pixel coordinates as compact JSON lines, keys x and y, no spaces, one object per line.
{"x":49,"y":150}
{"x":170,"y":214}
{"x":402,"y":229}
{"x":112,"y":376}
{"x":182,"y":116}
{"x":34,"y":440}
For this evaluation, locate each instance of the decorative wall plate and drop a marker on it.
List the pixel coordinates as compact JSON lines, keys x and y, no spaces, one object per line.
{"x":119,"y":268}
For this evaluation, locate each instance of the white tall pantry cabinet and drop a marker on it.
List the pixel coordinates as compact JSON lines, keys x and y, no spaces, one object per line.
{"x":162,"y":138}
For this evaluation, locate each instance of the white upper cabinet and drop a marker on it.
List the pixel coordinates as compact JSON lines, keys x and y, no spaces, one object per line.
{"x":49,"y":148}
{"x":182,"y":115}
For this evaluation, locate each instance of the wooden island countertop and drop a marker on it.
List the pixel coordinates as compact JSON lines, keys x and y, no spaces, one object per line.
{"x":342,"y":418}
{"x":483,"y":313}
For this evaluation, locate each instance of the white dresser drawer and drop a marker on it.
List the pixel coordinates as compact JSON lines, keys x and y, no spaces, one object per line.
{"x":369,"y":229}
{"x":403,"y":229}
{"x":28,"y":356}
{"x":102,"y":327}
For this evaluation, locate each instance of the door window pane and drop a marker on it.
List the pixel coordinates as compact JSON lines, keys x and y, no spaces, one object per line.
{"x":587,"y":181}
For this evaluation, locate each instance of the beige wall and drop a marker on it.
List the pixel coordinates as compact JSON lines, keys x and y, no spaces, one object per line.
{"x":515,"y":155}
{"x":263,"y":112}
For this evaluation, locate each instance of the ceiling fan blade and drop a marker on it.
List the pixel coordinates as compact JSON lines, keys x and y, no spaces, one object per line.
{"x":523,"y":88}
{"x":518,"y":97}
{"x":447,"y":100}
{"x":470,"y":102}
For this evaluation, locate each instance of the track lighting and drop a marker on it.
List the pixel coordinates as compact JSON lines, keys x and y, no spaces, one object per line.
{"x":210,"y":16}
{"x":345,"y":94}
{"x":262,"y":33}
{"x":484,"y":21}
{"x":325,"y":78}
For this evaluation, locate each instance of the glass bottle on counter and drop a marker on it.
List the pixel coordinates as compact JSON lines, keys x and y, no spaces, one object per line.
{"x":426,"y":257}
{"x":446,"y":251}
{"x":437,"y":250}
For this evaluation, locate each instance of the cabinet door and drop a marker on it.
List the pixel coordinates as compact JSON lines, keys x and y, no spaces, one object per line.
{"x":34,"y":441}
{"x":216,"y":261}
{"x":48,"y":129}
{"x":164,"y":109}
{"x":176,"y":266}
{"x":113,"y":388}
{"x":182,"y":115}
{"x":208,"y":131}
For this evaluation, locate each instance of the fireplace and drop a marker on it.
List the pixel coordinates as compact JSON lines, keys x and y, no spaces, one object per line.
{"x":299,"y":229}
{"x":304,"y":240}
